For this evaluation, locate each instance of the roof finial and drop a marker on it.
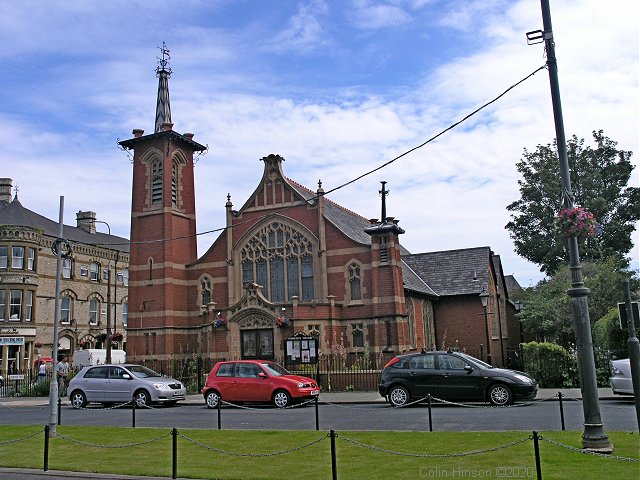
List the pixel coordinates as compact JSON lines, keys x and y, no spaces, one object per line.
{"x":163,"y":72}
{"x":383,"y":193}
{"x":15,"y":189}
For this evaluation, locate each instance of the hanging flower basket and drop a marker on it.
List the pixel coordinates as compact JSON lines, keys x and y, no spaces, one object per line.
{"x":101,"y":337}
{"x":117,"y":337}
{"x":576,"y":221}
{"x":281,"y":322}
{"x":220,"y":323}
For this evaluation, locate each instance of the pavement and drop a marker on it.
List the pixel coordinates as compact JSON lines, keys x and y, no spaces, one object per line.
{"x":354,"y":397}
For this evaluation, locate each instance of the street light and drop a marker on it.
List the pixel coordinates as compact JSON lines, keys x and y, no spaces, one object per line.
{"x":484,"y":298}
{"x":108,"y":343}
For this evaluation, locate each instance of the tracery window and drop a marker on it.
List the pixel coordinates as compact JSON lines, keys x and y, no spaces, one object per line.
{"x":205,"y":286}
{"x":411,"y":321}
{"x":358,"y":334}
{"x":280,"y":259}
{"x":429,"y":333}
{"x":355,"y":281}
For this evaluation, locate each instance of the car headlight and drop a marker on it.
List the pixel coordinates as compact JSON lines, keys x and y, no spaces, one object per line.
{"x":160,"y":386}
{"x":615,"y":371}
{"x":300,"y":385}
{"x":524,"y":379}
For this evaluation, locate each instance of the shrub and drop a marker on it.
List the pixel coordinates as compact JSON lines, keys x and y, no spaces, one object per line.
{"x":550,"y":364}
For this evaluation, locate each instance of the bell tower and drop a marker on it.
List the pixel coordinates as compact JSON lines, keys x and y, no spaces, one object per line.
{"x":387,"y":293}
{"x":163,"y":229}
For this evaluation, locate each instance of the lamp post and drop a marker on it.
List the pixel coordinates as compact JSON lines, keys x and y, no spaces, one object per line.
{"x":594,"y":437}
{"x":108,"y":342}
{"x":518,"y":307}
{"x":484,"y":298}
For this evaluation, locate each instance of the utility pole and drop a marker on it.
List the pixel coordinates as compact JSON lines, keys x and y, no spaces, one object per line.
{"x":593,"y":438}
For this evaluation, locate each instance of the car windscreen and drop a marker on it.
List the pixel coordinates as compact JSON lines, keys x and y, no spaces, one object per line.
{"x":474,"y":360}
{"x":142,"y":372}
{"x":274,"y":369}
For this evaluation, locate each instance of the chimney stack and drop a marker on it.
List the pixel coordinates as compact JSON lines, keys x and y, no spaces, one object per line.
{"x":86,"y":221}
{"x":6,"y":184}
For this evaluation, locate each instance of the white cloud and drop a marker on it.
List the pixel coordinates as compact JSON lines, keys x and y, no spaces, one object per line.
{"x":60,"y":121}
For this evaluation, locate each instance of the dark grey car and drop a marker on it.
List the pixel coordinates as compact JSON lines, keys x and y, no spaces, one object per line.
{"x":123,"y":383}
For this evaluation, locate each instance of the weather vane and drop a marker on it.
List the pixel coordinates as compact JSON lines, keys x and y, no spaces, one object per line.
{"x":164,"y":61}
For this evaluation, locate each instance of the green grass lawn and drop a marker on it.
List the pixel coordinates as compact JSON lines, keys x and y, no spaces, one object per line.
{"x":217,"y":454}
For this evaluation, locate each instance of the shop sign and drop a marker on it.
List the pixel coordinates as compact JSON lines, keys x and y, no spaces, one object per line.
{"x":16,"y":376}
{"x":11,"y":340}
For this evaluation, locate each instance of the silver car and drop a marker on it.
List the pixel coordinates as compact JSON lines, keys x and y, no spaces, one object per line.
{"x":123,"y":383}
{"x":620,"y":378}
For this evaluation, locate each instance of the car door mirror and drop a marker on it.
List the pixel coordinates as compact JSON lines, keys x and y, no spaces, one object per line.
{"x":262,"y":375}
{"x":126,"y":376}
{"x":468,"y":368}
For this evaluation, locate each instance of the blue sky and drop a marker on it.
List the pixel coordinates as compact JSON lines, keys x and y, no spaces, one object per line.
{"x":335,"y":87}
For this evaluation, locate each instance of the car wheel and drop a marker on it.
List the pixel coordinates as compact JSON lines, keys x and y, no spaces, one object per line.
{"x":78,"y":399}
{"x":399,"y":396}
{"x":281,"y":399}
{"x":142,"y":398}
{"x":500,"y":395}
{"x":212,"y":399}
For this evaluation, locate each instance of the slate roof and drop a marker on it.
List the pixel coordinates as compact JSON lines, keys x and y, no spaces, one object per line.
{"x":452,"y":272}
{"x":511,"y":284}
{"x":14,"y":213}
{"x":348,"y":222}
{"x":413,"y":282}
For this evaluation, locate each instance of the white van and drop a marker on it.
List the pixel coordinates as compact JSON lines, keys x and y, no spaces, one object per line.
{"x":96,"y":356}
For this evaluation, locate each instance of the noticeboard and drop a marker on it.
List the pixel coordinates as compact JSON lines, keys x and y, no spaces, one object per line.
{"x":301,"y":349}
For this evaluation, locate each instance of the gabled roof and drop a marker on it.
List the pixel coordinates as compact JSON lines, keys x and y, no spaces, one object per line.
{"x":411,"y":281}
{"x":511,"y":284}
{"x":452,"y":272}
{"x":14,"y":213}
{"x":348,"y":222}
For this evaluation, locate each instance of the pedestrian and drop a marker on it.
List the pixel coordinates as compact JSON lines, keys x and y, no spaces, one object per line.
{"x":42,"y":372}
{"x":62,"y":370}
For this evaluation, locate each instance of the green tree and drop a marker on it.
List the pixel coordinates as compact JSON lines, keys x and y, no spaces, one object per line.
{"x":547,"y":311}
{"x":599,"y":179}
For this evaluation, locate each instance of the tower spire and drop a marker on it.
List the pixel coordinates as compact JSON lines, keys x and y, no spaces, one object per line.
{"x":163,"y":72}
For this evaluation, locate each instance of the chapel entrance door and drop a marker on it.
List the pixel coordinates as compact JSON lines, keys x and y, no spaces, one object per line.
{"x":257,"y":344}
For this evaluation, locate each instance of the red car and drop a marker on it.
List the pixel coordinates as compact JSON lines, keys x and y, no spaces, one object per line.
{"x":256,"y":381}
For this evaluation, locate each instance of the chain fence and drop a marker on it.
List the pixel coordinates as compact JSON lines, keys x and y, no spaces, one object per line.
{"x":312,"y":443}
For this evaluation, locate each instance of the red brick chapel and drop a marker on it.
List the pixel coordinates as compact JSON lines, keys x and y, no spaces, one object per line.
{"x":290,"y":260}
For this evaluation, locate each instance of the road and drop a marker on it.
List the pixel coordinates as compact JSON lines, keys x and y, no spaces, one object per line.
{"x":617,"y":415}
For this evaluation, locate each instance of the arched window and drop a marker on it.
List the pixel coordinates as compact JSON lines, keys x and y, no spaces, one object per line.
{"x":280,"y":259}
{"x":355,"y":282}
{"x":66,"y":305}
{"x":205,"y":286}
{"x":156,"y":182}
{"x":411,"y":321}
{"x":150,"y":268}
{"x":429,"y":333}
{"x":94,"y":311}
{"x":125,"y":313}
{"x":174,"y":185}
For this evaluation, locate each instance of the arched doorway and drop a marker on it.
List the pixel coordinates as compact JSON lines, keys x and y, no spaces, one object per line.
{"x":256,"y":336}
